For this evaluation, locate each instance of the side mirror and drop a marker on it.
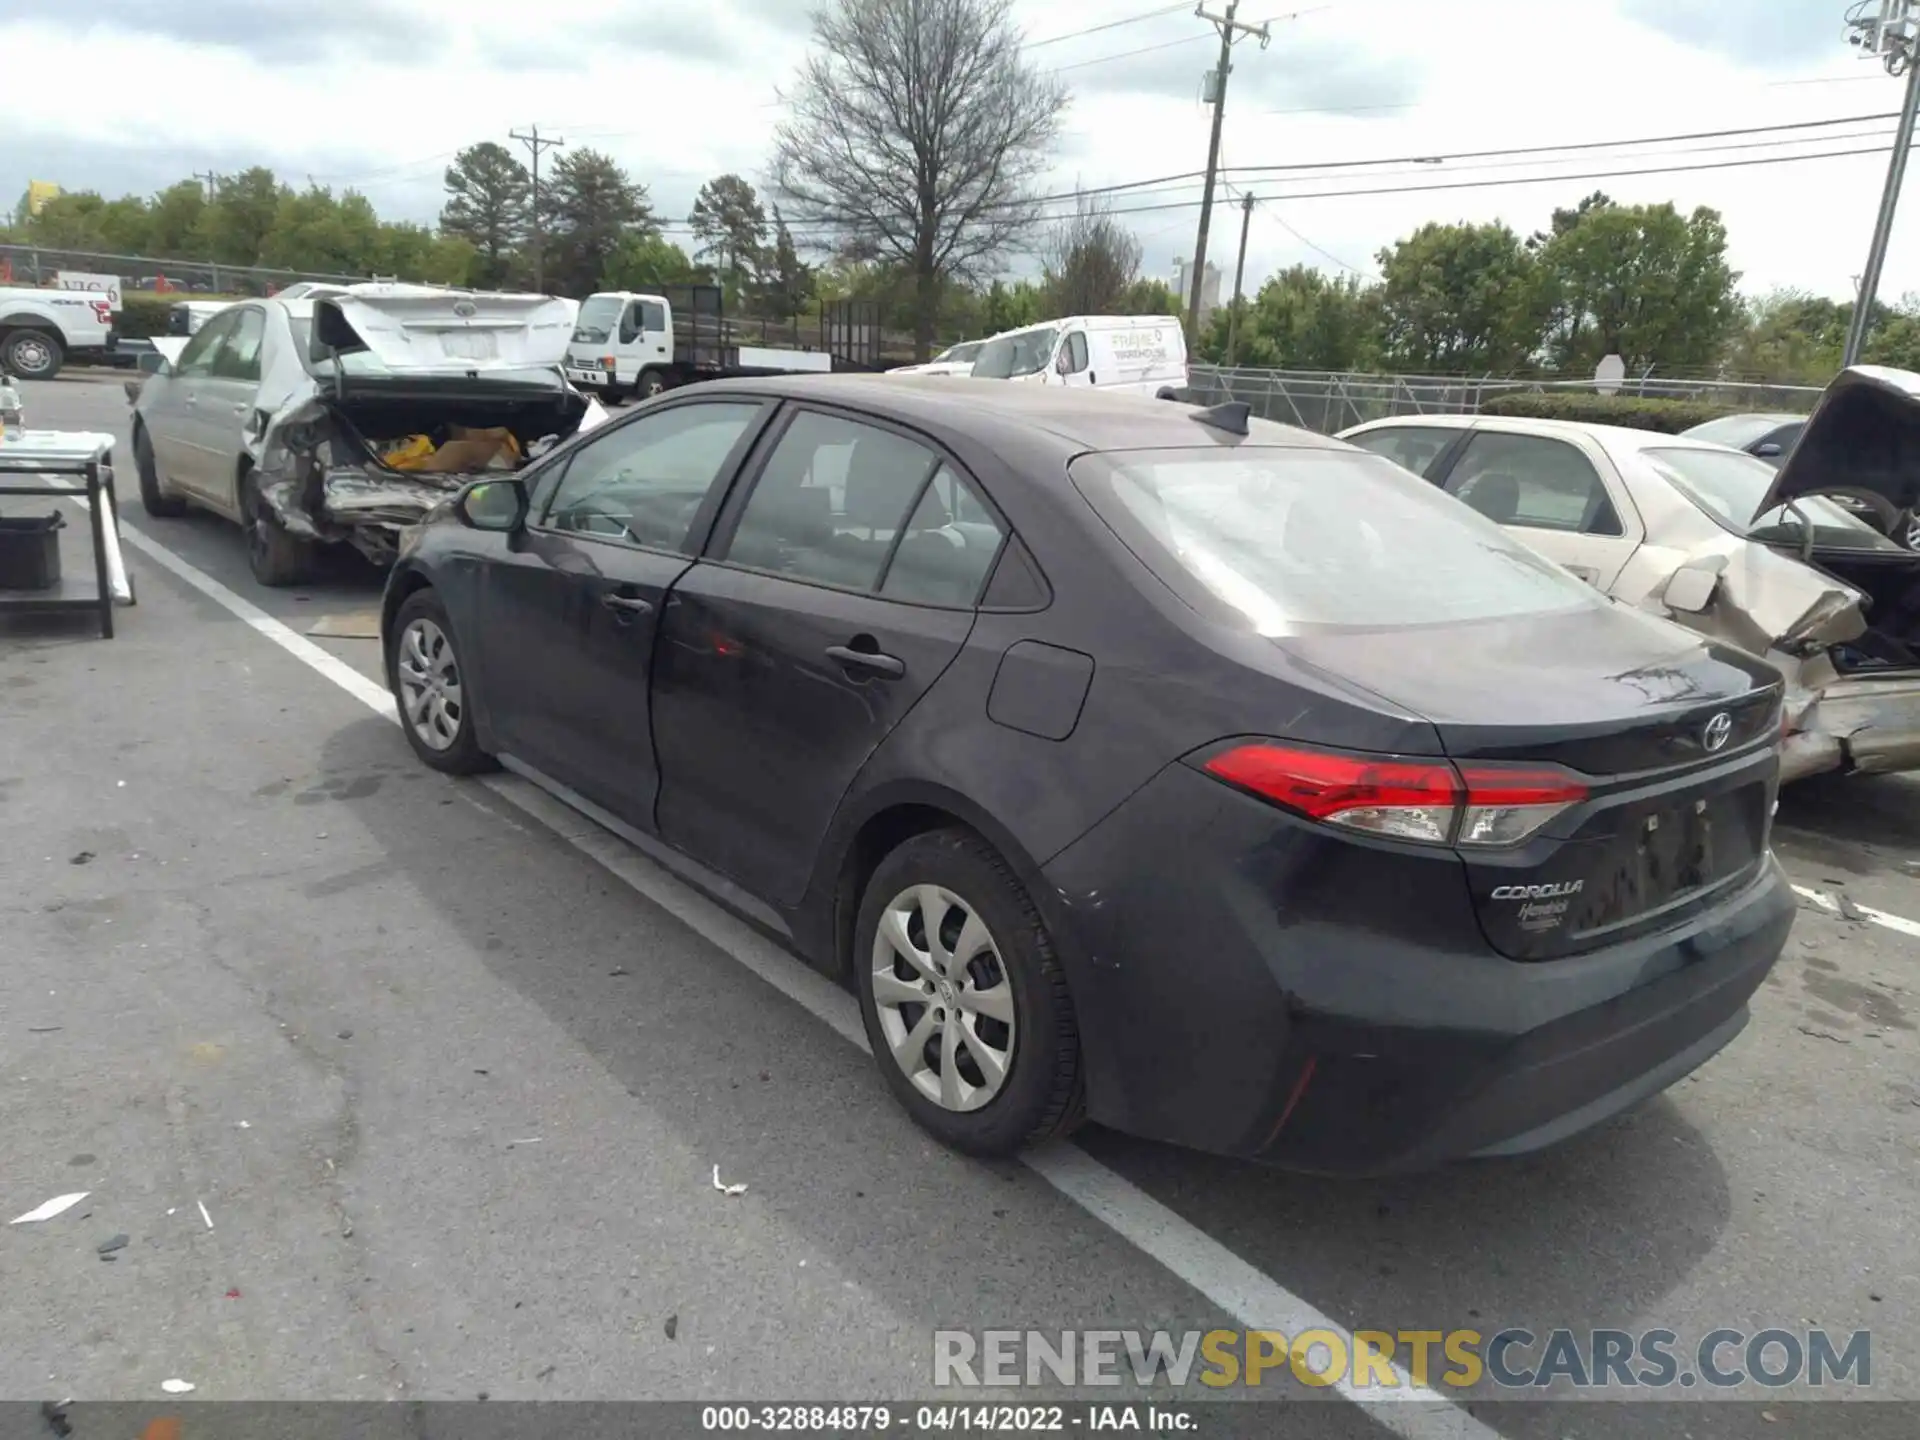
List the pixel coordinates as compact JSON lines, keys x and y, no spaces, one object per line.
{"x":1768,"y":451}
{"x":496,"y":505}
{"x":1690,"y":590}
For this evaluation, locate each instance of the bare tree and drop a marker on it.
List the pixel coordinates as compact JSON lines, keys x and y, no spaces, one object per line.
{"x":915,"y":135}
{"x":1090,"y":259}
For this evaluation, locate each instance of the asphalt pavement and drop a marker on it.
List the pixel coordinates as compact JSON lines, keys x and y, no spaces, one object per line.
{"x":450,"y":1071}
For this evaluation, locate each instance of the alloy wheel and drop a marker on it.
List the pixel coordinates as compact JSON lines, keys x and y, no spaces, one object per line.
{"x":1913,"y":531}
{"x":943,"y":998}
{"x":430,"y":694}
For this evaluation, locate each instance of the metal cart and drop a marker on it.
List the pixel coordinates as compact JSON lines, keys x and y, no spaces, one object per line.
{"x":76,"y":465}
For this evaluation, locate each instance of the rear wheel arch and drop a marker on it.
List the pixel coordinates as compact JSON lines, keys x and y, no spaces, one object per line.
{"x":864,"y":838}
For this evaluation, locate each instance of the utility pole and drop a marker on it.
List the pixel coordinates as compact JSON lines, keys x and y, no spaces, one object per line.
{"x":1231,"y":30}
{"x":535,"y":143}
{"x":1894,"y":39}
{"x":212,"y":181}
{"x":1239,"y":272}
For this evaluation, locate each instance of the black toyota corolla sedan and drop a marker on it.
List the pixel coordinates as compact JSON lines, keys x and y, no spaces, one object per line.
{"x":1213,"y":780}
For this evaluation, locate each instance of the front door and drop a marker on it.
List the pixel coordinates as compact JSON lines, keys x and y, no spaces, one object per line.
{"x":1075,"y":362}
{"x":572,"y":607}
{"x":836,"y":592}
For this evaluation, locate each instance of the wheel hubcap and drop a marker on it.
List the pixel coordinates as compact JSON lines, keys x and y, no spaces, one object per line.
{"x":944,"y":1000}
{"x":32,"y":355}
{"x":429,"y":676}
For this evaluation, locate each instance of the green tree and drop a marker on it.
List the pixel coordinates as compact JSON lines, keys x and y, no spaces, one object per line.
{"x":786,"y":281}
{"x":235,"y":226}
{"x":1458,"y":299}
{"x":316,"y":232}
{"x":1301,"y":319}
{"x":1009,"y":307}
{"x":1788,"y":337}
{"x":918,"y":132}
{"x":1089,"y":259}
{"x":1642,"y":282}
{"x":175,"y":218}
{"x":646,"y":262}
{"x":487,"y":206}
{"x":588,"y":209}
{"x":729,"y":225}
{"x":1149,"y":297}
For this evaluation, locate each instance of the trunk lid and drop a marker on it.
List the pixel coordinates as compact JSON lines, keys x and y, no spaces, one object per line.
{"x":425,"y":330}
{"x":1674,"y":739}
{"x":1864,"y":434}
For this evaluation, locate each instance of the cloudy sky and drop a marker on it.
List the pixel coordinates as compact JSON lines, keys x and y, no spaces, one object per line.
{"x":377,"y":94}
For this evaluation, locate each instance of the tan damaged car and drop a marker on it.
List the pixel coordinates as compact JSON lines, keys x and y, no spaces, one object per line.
{"x":1726,"y":545}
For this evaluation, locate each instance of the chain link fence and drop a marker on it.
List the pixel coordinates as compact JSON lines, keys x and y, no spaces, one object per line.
{"x":37,"y":265}
{"x":1330,"y":402}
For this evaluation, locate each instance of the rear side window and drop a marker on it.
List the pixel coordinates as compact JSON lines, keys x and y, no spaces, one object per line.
{"x":239,"y":358}
{"x":1534,"y":481}
{"x":1411,"y":447}
{"x":1304,"y":539}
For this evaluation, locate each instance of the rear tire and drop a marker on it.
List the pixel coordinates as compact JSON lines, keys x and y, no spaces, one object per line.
{"x":276,"y":558}
{"x":153,"y":496}
{"x":428,"y":681}
{"x":984,"y":990}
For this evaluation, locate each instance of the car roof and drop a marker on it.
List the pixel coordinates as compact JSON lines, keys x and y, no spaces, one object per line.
{"x":1083,"y":416}
{"x":1613,"y":437}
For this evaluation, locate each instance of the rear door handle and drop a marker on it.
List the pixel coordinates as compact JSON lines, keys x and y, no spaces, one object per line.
{"x":890,"y":666}
{"x":632,"y":604}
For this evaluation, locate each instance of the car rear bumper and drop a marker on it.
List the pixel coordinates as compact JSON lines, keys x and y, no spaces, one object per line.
{"x":1261,"y":998}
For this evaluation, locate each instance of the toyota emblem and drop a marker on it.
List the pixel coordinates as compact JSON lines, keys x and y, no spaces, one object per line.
{"x":465,"y":309}
{"x":1718,"y":731}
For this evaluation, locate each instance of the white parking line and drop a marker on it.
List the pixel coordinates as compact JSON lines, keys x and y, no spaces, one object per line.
{"x":1241,"y":1290}
{"x":1866,"y":912}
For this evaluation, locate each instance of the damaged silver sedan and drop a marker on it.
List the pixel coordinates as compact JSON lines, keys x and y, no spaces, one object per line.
{"x":1795,"y":566}
{"x":344,"y":415}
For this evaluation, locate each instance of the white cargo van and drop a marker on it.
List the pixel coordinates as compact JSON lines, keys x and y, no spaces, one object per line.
{"x":1140,"y":354}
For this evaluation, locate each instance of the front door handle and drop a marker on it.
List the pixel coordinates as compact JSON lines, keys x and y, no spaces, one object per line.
{"x":890,"y":666}
{"x":632,"y":604}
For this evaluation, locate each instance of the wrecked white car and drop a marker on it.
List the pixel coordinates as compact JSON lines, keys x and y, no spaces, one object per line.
{"x":345,"y":414}
{"x":1722,"y":543}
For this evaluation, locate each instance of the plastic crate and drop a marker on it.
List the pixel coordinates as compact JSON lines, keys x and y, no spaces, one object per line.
{"x":30,"y":551}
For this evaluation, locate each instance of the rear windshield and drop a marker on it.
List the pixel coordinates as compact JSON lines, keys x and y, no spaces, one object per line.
{"x":598,"y":315}
{"x":1309,"y":539}
{"x":1730,"y":486}
{"x":1740,"y":431}
{"x":1005,"y":356}
{"x":959,"y":354}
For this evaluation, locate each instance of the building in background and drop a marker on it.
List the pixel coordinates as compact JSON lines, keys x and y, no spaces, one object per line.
{"x":1209,"y":286}
{"x":39,"y":192}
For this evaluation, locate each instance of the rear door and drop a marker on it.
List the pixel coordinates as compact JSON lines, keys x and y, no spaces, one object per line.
{"x":1561,"y":496}
{"x":570,"y":610}
{"x":840,"y":585}
{"x":190,"y":441}
{"x":226,"y":403}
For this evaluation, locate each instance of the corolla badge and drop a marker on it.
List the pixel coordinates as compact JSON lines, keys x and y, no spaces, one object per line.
{"x":1718,"y":731}
{"x":465,"y":309}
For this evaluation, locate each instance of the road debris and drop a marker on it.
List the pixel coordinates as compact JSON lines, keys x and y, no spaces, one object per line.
{"x":178,"y":1387}
{"x":1823,"y":1035}
{"x":673,"y":1327}
{"x":56,"y":1417}
{"x":60,"y":1204}
{"x":203,"y":1213}
{"x":1849,"y":910}
{"x":118,"y":1242}
{"x":233,"y":1294}
{"x":85,"y":857}
{"x":724,"y":1188}
{"x":42,"y":1029}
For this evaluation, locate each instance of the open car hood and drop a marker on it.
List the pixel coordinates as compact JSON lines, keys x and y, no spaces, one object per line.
{"x":1864,"y":434}
{"x":422,"y":329}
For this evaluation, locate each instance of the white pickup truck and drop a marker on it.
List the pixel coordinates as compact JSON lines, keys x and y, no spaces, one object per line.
{"x":40,"y":330}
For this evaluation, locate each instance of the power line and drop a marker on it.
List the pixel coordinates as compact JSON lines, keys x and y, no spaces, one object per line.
{"x":1109,"y":25}
{"x":535,"y":143}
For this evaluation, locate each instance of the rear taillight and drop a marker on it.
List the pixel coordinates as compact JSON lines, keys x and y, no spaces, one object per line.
{"x":1430,"y":802}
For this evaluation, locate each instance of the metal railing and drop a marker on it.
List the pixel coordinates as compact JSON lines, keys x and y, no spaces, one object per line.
{"x":37,"y":265}
{"x":1330,"y":402}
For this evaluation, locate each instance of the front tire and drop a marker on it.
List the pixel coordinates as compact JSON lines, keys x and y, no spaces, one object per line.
{"x":33,"y":354}
{"x":966,"y":1006}
{"x":650,"y":384}
{"x":276,"y":558}
{"x":153,"y":497}
{"x":429,"y":685}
